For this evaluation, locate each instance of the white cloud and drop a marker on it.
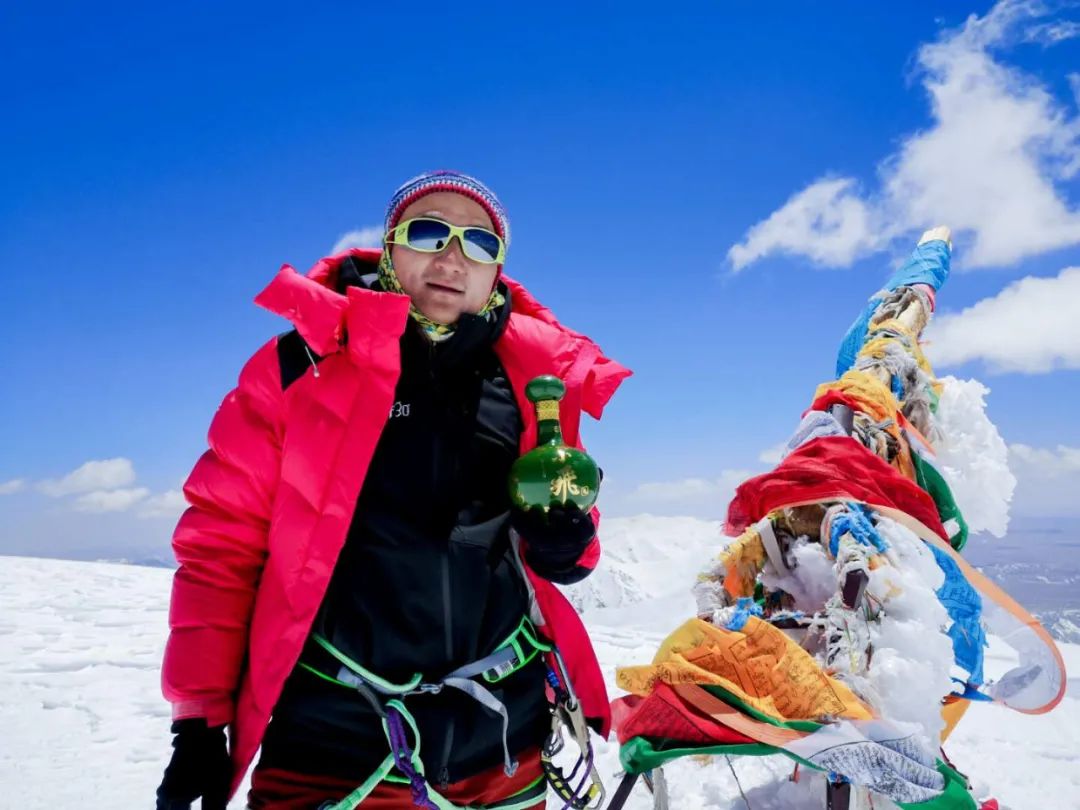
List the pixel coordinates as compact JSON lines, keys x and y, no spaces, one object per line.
{"x":113,"y":500}
{"x":367,"y":237}
{"x":1060,"y":461}
{"x":697,"y":497}
{"x":107,"y":474}
{"x":989,"y":165}
{"x":1052,"y":33}
{"x":773,"y":455}
{"x":166,"y":505}
{"x":690,"y":488}
{"x":825,"y":221}
{"x":1049,"y":479}
{"x":1032,"y":326}
{"x":12,"y":486}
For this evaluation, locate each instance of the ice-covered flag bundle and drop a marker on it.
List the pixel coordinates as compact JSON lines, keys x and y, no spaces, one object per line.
{"x":841,"y":627}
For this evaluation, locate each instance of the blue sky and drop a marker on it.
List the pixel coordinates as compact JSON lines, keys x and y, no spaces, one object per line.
{"x":162,"y":161}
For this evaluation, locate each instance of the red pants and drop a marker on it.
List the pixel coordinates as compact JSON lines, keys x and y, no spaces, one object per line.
{"x":277,"y":789}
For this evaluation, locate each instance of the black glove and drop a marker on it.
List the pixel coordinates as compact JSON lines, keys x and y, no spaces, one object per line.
{"x":200,"y":766}
{"x":555,"y":541}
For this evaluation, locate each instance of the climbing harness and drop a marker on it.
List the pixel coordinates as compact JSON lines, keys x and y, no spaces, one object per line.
{"x":403,"y":764}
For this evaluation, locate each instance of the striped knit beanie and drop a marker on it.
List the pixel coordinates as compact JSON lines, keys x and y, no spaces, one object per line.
{"x":430,"y":182}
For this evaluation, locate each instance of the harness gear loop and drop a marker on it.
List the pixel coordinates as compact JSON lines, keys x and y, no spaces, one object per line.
{"x":567,"y":714}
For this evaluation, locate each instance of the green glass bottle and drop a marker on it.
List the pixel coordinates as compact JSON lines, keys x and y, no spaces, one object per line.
{"x":552,"y":473}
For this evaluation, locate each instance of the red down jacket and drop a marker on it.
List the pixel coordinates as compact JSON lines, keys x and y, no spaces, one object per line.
{"x":272,"y":499}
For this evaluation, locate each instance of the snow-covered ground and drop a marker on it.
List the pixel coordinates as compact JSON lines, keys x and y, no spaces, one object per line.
{"x":82,"y":722}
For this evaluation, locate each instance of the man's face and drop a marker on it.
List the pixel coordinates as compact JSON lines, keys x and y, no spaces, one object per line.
{"x":446,"y":284}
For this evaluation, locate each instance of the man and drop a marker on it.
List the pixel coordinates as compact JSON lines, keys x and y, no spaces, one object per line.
{"x":351,"y":544}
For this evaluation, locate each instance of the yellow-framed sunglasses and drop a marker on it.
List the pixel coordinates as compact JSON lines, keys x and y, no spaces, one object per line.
{"x":429,"y":235}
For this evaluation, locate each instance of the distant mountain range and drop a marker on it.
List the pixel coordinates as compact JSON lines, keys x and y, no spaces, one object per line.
{"x":150,"y":562}
{"x":1038,"y":563}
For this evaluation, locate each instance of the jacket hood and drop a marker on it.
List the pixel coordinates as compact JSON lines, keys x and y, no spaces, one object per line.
{"x":323,"y":316}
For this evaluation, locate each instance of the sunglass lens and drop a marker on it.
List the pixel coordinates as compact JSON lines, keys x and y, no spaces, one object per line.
{"x":481,"y":245}
{"x":427,"y":234}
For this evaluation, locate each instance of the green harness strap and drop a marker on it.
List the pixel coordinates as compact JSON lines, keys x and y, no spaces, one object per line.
{"x":524,"y":798}
{"x":525,"y":645}
{"x":523,"y":656}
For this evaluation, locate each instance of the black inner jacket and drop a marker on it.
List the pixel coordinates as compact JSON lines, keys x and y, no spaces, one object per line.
{"x":426,"y":581}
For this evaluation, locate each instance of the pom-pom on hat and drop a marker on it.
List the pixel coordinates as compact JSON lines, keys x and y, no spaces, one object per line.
{"x":430,"y":182}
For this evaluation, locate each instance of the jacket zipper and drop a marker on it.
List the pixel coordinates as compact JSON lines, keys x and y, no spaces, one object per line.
{"x":448,"y":740}
{"x":448,"y":744}
{"x":448,"y":628}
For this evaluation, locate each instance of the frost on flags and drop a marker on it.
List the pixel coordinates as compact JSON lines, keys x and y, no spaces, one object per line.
{"x":852,"y":535}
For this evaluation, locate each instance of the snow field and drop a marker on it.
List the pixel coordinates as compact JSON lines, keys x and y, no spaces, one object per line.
{"x":83,"y":723}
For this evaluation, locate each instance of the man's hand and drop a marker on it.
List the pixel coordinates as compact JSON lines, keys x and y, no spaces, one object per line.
{"x":554,"y":541}
{"x":200,"y":767}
